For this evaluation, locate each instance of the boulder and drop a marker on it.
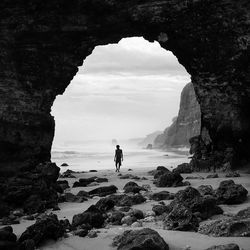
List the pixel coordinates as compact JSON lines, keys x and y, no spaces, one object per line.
{"x":231,"y":193}
{"x":245,"y":213}
{"x":230,"y":246}
{"x":227,"y":227}
{"x":64,"y":165}
{"x":92,"y":234}
{"x":130,"y":200}
{"x":68,"y":174}
{"x":210,"y":176}
{"x":105,"y":204}
{"x":160,"y":170}
{"x":183,"y":168}
{"x":103,"y":191}
{"x":101,"y":180}
{"x":138,"y":214}
{"x":141,"y":239}
{"x":206,"y":190}
{"x":82,"y":193}
{"x":92,"y":171}
{"x":181,"y":218}
{"x":128,"y":220}
{"x":47,"y":227}
{"x":160,"y":209}
{"x":163,"y":195}
{"x":132,"y":187}
{"x":92,"y":216}
{"x":115,"y":217}
{"x":169,"y":179}
{"x":84,"y":182}
{"x":124,"y":200}
{"x":193,"y":200}
{"x":63,"y":184}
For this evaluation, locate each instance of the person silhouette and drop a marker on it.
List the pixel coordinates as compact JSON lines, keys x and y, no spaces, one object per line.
{"x":118,"y":158}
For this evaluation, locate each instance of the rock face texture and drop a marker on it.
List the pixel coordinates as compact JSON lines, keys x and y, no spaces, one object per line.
{"x":186,"y":125}
{"x":43,"y":43}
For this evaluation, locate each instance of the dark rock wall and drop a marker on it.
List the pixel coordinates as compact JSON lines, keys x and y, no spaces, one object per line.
{"x":43,"y":43}
{"x":186,"y":125}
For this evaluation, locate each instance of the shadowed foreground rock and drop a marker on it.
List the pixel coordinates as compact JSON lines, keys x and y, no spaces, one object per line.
{"x":34,"y":190}
{"x":92,"y":217}
{"x":231,"y":193}
{"x":8,"y":239}
{"x":45,"y":228}
{"x":142,"y":239}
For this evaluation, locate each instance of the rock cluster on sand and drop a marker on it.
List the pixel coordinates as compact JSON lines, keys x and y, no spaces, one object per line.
{"x":34,"y":190}
{"x":188,"y":208}
{"x":142,"y":239}
{"x":166,"y":178}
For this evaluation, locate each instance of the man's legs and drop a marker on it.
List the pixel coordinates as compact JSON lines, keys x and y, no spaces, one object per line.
{"x":118,"y":165}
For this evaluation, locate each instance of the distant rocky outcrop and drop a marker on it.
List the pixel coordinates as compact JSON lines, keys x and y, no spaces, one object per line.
{"x":185,"y":125}
{"x":149,"y":139}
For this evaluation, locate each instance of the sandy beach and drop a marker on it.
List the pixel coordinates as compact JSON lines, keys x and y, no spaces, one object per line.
{"x":176,"y":240}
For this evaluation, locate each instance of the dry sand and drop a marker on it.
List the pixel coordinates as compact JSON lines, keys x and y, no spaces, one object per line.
{"x":175,"y":239}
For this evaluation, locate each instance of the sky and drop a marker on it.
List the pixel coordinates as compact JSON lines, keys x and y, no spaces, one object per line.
{"x":124,"y":90}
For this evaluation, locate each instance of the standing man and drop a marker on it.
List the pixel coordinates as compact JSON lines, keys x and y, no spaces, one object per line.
{"x":118,"y":158}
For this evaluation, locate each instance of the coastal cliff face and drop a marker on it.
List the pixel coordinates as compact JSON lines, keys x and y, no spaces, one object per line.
{"x":186,"y":125}
{"x":43,"y":43}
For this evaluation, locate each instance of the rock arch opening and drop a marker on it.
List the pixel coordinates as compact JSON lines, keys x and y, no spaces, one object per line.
{"x":123,"y":91}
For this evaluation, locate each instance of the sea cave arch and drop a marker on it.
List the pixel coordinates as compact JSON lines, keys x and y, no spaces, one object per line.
{"x":123,"y":91}
{"x":44,"y":42}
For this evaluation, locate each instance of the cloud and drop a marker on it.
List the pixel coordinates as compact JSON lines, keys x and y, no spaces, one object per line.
{"x":132,"y":56}
{"x":129,"y":89}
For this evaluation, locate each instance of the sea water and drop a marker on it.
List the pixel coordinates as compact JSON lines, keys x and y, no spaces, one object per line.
{"x":85,"y":156}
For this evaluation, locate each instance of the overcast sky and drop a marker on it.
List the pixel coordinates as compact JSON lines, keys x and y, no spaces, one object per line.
{"x":123,"y":90}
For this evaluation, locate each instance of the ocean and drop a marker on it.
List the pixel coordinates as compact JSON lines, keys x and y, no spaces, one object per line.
{"x":85,"y":156}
